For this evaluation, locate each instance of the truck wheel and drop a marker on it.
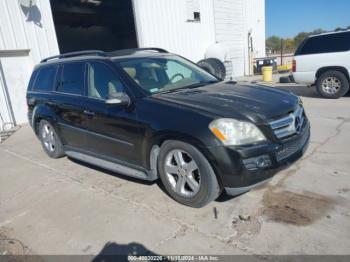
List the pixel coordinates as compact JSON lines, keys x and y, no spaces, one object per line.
{"x":332,"y":84}
{"x":187,"y":175}
{"x":50,"y":140}
{"x":213,"y":66}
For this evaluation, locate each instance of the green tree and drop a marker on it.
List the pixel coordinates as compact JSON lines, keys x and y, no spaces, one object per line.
{"x":273,"y":44}
{"x":318,"y":31}
{"x":289,"y":45}
{"x":300,"y":37}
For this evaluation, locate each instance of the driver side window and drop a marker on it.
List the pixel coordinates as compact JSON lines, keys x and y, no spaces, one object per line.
{"x":102,"y":82}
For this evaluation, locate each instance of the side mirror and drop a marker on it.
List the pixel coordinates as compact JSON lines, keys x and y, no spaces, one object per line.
{"x":118,"y":99}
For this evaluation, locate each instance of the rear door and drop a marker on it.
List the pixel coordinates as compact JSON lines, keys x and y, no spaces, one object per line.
{"x":113,"y":130}
{"x":67,"y":102}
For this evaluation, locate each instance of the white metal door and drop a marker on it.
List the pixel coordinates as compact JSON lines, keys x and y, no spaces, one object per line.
{"x":14,"y":77}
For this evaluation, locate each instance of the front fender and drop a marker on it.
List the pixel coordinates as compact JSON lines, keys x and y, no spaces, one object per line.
{"x":154,"y":142}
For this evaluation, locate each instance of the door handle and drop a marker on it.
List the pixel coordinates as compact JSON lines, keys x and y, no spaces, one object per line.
{"x":89,"y":113}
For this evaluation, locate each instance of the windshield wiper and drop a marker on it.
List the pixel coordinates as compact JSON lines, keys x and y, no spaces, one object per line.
{"x":195,"y":85}
{"x":199,"y":84}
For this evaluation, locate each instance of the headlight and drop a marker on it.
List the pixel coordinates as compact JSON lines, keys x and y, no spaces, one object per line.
{"x":232,"y":132}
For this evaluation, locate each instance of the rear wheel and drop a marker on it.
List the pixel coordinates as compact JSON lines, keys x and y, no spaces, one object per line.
{"x":332,"y":84}
{"x":50,"y":140}
{"x":187,"y":175}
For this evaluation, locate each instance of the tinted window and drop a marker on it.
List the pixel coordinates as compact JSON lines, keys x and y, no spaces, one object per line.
{"x":44,"y":80}
{"x":72,"y":79}
{"x":32,"y":80}
{"x":102,"y":81}
{"x":326,"y":44}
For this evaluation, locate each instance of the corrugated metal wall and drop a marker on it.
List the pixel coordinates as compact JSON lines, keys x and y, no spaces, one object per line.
{"x":230,"y":32}
{"x":223,"y":21}
{"x":255,"y":21}
{"x":27,"y":35}
{"x":164,"y":23}
{"x":233,"y":21}
{"x":28,"y":28}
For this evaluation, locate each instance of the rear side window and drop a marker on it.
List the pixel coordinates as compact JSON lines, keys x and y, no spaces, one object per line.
{"x":32,"y":80}
{"x":325,"y":44}
{"x":72,"y":79}
{"x":45,"y":79}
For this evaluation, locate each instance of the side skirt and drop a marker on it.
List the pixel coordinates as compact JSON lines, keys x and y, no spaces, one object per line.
{"x":111,"y":165}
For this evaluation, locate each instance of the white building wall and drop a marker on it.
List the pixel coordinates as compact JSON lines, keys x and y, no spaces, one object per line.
{"x":28,"y":28}
{"x":27,"y":35}
{"x":234,"y":19}
{"x":255,"y":22}
{"x":230,"y":33}
{"x":164,"y":23}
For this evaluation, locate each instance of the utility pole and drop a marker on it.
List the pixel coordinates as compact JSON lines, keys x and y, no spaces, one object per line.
{"x":281,"y":51}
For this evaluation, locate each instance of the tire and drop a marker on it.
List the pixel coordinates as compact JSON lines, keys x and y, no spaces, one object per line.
{"x":291,"y":79}
{"x":284,"y":80}
{"x":333,"y":78}
{"x":213,"y":66}
{"x":50,"y":141}
{"x":206,"y":187}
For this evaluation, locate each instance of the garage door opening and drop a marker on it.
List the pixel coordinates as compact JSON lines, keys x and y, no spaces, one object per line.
{"x":94,"y":24}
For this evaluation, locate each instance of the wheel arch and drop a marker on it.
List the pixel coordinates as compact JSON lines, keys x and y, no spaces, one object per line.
{"x":325,"y":69}
{"x":151,"y":150}
{"x":42,"y":112}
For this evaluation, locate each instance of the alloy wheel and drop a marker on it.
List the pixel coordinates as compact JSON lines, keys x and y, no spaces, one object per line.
{"x":331,"y":85}
{"x":182,"y":173}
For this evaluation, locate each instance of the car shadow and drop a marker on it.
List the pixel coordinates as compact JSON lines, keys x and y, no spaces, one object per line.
{"x":303,"y":91}
{"x":222,"y":198}
{"x":117,"y":252}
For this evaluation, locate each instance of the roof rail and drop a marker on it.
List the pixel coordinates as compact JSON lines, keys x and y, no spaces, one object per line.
{"x":134,"y":50}
{"x":74,"y":54}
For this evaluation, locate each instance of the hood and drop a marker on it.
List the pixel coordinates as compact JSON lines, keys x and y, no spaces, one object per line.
{"x":231,"y":100}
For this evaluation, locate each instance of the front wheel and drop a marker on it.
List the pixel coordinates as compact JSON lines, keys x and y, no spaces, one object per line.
{"x":332,"y":84}
{"x":187,"y":175}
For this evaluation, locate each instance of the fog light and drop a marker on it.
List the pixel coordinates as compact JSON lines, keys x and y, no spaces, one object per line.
{"x":259,"y":162}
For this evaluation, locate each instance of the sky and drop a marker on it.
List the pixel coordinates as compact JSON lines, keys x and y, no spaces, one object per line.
{"x":286,"y":18}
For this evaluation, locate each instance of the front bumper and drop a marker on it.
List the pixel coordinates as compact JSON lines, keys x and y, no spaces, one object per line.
{"x":241,"y":169}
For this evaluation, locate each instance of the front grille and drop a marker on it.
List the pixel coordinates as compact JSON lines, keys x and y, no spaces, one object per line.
{"x":291,"y":148}
{"x":289,"y":125}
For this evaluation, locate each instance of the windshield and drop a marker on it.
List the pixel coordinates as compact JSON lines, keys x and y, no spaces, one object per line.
{"x":161,"y":74}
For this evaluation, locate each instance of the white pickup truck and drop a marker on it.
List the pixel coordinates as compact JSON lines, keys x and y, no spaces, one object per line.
{"x":324,"y":60}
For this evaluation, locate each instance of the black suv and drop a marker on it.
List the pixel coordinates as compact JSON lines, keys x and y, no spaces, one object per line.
{"x":149,"y":114}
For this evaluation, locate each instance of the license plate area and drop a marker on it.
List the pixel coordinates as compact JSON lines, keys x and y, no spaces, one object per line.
{"x":290,"y":148}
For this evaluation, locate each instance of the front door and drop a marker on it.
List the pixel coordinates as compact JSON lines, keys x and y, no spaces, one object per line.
{"x":112,"y":130}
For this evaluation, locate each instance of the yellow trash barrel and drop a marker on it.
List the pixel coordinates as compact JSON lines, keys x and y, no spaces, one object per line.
{"x":267,"y":73}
